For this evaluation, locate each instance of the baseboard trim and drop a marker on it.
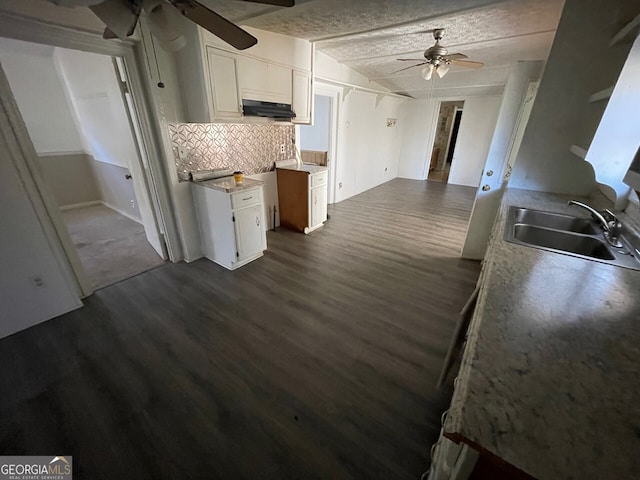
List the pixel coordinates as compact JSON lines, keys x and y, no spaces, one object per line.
{"x":81,"y":204}
{"x":122,"y":212}
{"x":102,"y":202}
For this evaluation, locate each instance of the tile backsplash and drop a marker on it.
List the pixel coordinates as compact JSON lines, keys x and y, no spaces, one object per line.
{"x":251,"y":148}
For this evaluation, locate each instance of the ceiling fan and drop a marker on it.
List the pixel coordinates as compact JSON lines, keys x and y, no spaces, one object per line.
{"x":121,"y":18}
{"x":437,"y":59}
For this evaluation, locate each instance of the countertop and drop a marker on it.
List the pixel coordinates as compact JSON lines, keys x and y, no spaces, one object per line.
{"x":550,"y":378}
{"x":228,"y":184}
{"x":305,"y":167}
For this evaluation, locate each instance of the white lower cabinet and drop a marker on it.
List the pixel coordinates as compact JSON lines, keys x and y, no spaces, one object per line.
{"x":318,"y":206}
{"x":232,"y":230}
{"x":250,"y":236}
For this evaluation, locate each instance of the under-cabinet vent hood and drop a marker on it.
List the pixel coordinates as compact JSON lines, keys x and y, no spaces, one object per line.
{"x":279,"y":111}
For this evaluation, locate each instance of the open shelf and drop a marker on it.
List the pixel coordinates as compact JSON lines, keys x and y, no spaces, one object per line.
{"x":601,"y":95}
{"x":578,"y":151}
{"x":632,"y":27}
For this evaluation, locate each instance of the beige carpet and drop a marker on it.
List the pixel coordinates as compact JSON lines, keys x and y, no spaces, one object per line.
{"x":111,"y":247}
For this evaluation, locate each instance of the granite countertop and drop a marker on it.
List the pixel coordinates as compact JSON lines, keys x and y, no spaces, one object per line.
{"x":305,"y":167}
{"x":550,"y":378}
{"x":228,"y":184}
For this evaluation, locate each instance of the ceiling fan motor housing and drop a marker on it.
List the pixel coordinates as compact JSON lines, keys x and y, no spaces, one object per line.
{"x":434,"y":54}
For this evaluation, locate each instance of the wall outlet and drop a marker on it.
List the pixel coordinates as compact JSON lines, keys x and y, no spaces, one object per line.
{"x":183,"y":152}
{"x":37,"y":281}
{"x":282,"y":148}
{"x":133,"y":204}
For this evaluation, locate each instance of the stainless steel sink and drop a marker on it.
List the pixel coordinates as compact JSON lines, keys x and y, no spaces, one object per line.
{"x":556,"y":221}
{"x":563,"y":241}
{"x":575,"y":236}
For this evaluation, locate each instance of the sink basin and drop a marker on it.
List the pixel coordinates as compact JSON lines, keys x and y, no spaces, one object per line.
{"x":568,"y":235}
{"x":555,"y":221}
{"x":566,"y":242}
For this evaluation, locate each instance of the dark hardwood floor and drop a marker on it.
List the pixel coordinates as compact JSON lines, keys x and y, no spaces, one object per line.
{"x":317,"y":361}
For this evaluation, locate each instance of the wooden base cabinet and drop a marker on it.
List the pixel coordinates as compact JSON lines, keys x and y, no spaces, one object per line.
{"x":302,"y":196}
{"x":232,"y":229}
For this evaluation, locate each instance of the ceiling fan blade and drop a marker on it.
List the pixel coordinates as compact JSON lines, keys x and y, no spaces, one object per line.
{"x":277,"y":3}
{"x":407,"y":68}
{"x":219,"y":26}
{"x":467,"y":63}
{"x":455,"y":56}
{"x":410,"y":59}
{"x":117,"y":16}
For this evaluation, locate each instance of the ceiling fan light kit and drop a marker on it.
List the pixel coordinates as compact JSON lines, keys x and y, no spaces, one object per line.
{"x":165,"y":26}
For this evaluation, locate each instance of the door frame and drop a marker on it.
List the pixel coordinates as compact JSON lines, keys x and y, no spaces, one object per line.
{"x":431,"y":139}
{"x":19,"y":28}
{"x":334,"y":93}
{"x":446,"y":153}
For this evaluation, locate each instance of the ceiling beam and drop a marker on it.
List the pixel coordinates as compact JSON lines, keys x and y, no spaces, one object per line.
{"x":449,"y":47}
{"x":434,"y":89}
{"x":451,"y":72}
{"x":349,"y":35}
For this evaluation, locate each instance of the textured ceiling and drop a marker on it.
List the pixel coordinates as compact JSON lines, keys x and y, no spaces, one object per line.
{"x":368,"y":35}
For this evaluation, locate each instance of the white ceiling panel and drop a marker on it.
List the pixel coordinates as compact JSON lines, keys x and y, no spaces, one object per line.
{"x":508,"y":20}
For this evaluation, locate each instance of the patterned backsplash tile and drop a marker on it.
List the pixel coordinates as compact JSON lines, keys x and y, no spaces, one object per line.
{"x":250,"y":148}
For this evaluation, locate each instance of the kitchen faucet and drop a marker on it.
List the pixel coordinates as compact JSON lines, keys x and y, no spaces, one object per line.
{"x":611,"y":227}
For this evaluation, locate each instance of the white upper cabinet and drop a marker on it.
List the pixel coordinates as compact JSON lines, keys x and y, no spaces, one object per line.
{"x":223,"y":84}
{"x":260,"y":80}
{"x":214,"y":77}
{"x":301,"y":96}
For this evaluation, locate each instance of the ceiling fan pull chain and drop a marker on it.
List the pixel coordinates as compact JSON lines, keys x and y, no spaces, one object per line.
{"x":155,"y":56}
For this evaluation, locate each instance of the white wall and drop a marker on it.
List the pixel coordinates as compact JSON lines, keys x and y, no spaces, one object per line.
{"x":419,"y":118}
{"x":94,"y":92}
{"x":368,"y":150}
{"x":316,"y":136}
{"x":40,"y":95}
{"x":25,"y":252}
{"x":474,"y":138}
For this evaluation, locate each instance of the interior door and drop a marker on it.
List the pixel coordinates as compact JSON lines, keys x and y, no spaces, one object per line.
{"x":495,"y":176}
{"x":249,"y":231}
{"x":146,"y":204}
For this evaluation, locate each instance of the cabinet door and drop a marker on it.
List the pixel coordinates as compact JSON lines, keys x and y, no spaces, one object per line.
{"x":260,"y":80}
{"x":223,"y":82}
{"x":318,"y":205}
{"x":250,"y":234}
{"x":301,"y":96}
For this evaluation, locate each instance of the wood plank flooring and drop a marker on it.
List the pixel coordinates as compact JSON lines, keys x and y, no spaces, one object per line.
{"x":317,"y":361}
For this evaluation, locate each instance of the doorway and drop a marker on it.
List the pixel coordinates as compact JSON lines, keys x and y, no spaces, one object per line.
{"x":318,"y":141}
{"x":88,"y":155}
{"x":443,"y":153}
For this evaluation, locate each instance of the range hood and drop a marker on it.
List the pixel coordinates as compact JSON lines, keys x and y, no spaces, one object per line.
{"x":279,"y":111}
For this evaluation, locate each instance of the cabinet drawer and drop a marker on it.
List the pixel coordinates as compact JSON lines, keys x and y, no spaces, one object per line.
{"x":245,"y":198}
{"x":318,"y":179}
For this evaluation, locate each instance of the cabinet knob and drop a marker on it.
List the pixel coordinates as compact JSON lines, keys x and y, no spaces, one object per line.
{"x":489,"y":173}
{"x":486,"y":188}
